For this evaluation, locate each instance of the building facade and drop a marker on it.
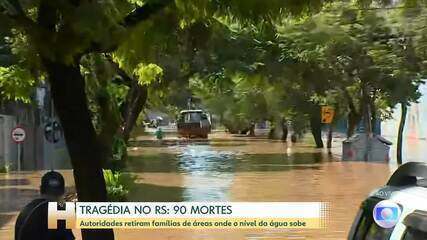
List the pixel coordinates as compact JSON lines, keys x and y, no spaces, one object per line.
{"x":44,"y":145}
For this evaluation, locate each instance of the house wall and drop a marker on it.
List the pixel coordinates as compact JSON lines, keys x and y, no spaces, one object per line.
{"x":36,"y":152}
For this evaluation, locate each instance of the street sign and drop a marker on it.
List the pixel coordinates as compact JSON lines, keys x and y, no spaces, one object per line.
{"x":18,"y":135}
{"x":52,"y":132}
{"x":328,"y":113}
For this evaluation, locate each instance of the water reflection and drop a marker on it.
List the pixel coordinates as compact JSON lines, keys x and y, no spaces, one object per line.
{"x":194,"y":159}
{"x":144,"y":192}
{"x":201,"y":158}
{"x":207,"y":172}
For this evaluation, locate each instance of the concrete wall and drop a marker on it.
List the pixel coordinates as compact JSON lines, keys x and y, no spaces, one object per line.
{"x":8,"y":148}
{"x":36,"y":152}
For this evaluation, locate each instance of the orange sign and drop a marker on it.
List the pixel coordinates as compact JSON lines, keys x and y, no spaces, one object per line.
{"x":328,"y":113}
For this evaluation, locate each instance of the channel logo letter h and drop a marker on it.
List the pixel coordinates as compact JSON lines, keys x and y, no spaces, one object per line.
{"x":68,"y":215}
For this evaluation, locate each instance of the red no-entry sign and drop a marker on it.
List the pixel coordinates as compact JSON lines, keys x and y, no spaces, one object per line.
{"x":18,"y":134}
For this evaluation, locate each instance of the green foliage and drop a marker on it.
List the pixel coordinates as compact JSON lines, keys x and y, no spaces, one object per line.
{"x":118,"y":185}
{"x":353,"y":49}
{"x":5,"y":168}
{"x":119,"y":148}
{"x":16,"y":84}
{"x":148,"y":73}
{"x":246,"y":60}
{"x":23,"y":51}
{"x":284,"y":69}
{"x":145,"y":43}
{"x":104,"y":96}
{"x":118,"y":92}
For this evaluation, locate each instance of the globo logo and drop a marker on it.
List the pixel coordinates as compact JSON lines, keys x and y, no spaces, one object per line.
{"x":386,"y":214}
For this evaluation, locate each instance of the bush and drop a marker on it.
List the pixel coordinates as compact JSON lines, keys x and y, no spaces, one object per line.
{"x":5,"y":168}
{"x":117,"y":185}
{"x":119,"y":155}
{"x":119,"y":149}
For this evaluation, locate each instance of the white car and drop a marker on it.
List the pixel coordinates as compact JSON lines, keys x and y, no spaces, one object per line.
{"x":407,"y":188}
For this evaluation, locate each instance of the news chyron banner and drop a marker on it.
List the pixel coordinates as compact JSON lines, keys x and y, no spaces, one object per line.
{"x":189,"y":215}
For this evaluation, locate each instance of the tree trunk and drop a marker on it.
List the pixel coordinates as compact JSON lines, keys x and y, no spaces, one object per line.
{"x":284,"y":130}
{"x":273,"y":128}
{"x":110,"y":122}
{"x":252,"y":129}
{"x":135,"y":100}
{"x":271,"y":133}
{"x":404,"y":110}
{"x":353,"y":115}
{"x":367,"y":119}
{"x":294,"y":138}
{"x":351,"y":124}
{"x":134,"y":104}
{"x":329,"y":142}
{"x":316,"y":127}
{"x":68,"y":92}
{"x":367,"y":111}
{"x":110,"y":126}
{"x":373,"y":116}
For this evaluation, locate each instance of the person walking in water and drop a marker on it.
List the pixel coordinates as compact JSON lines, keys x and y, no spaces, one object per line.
{"x":31,"y":223}
{"x":159,"y":133}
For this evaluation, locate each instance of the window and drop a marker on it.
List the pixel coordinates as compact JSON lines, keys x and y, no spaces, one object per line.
{"x":191,"y":117}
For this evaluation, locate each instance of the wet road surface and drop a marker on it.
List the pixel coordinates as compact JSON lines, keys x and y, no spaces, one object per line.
{"x":227,"y":168}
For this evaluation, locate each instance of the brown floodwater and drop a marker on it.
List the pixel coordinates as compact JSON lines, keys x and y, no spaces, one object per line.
{"x":226,"y":168}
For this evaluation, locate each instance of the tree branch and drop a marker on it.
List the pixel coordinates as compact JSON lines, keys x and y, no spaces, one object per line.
{"x":351,"y":105}
{"x":144,"y":12}
{"x":13,"y":7}
{"x":13,"y":10}
{"x":126,"y":79}
{"x":132,"y":19}
{"x":135,"y":100}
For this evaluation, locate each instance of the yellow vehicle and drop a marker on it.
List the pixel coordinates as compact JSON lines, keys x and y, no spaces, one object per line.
{"x":193,"y":123}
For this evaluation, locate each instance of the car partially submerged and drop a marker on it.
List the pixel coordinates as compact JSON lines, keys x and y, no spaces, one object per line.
{"x":193,"y":123}
{"x":407,"y":187}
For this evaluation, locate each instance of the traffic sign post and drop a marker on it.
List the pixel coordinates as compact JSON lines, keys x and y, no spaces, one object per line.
{"x":328,"y":113}
{"x":327,"y":117}
{"x":18,"y":136}
{"x":52,"y":132}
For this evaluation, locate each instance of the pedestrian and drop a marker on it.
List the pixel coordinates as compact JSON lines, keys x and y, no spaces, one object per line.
{"x":32,"y":220}
{"x":159,"y":133}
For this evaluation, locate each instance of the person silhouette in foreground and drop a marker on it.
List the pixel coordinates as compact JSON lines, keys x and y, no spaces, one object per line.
{"x":32,"y":220}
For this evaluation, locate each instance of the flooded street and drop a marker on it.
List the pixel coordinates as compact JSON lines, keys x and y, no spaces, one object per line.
{"x":226,"y":168}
